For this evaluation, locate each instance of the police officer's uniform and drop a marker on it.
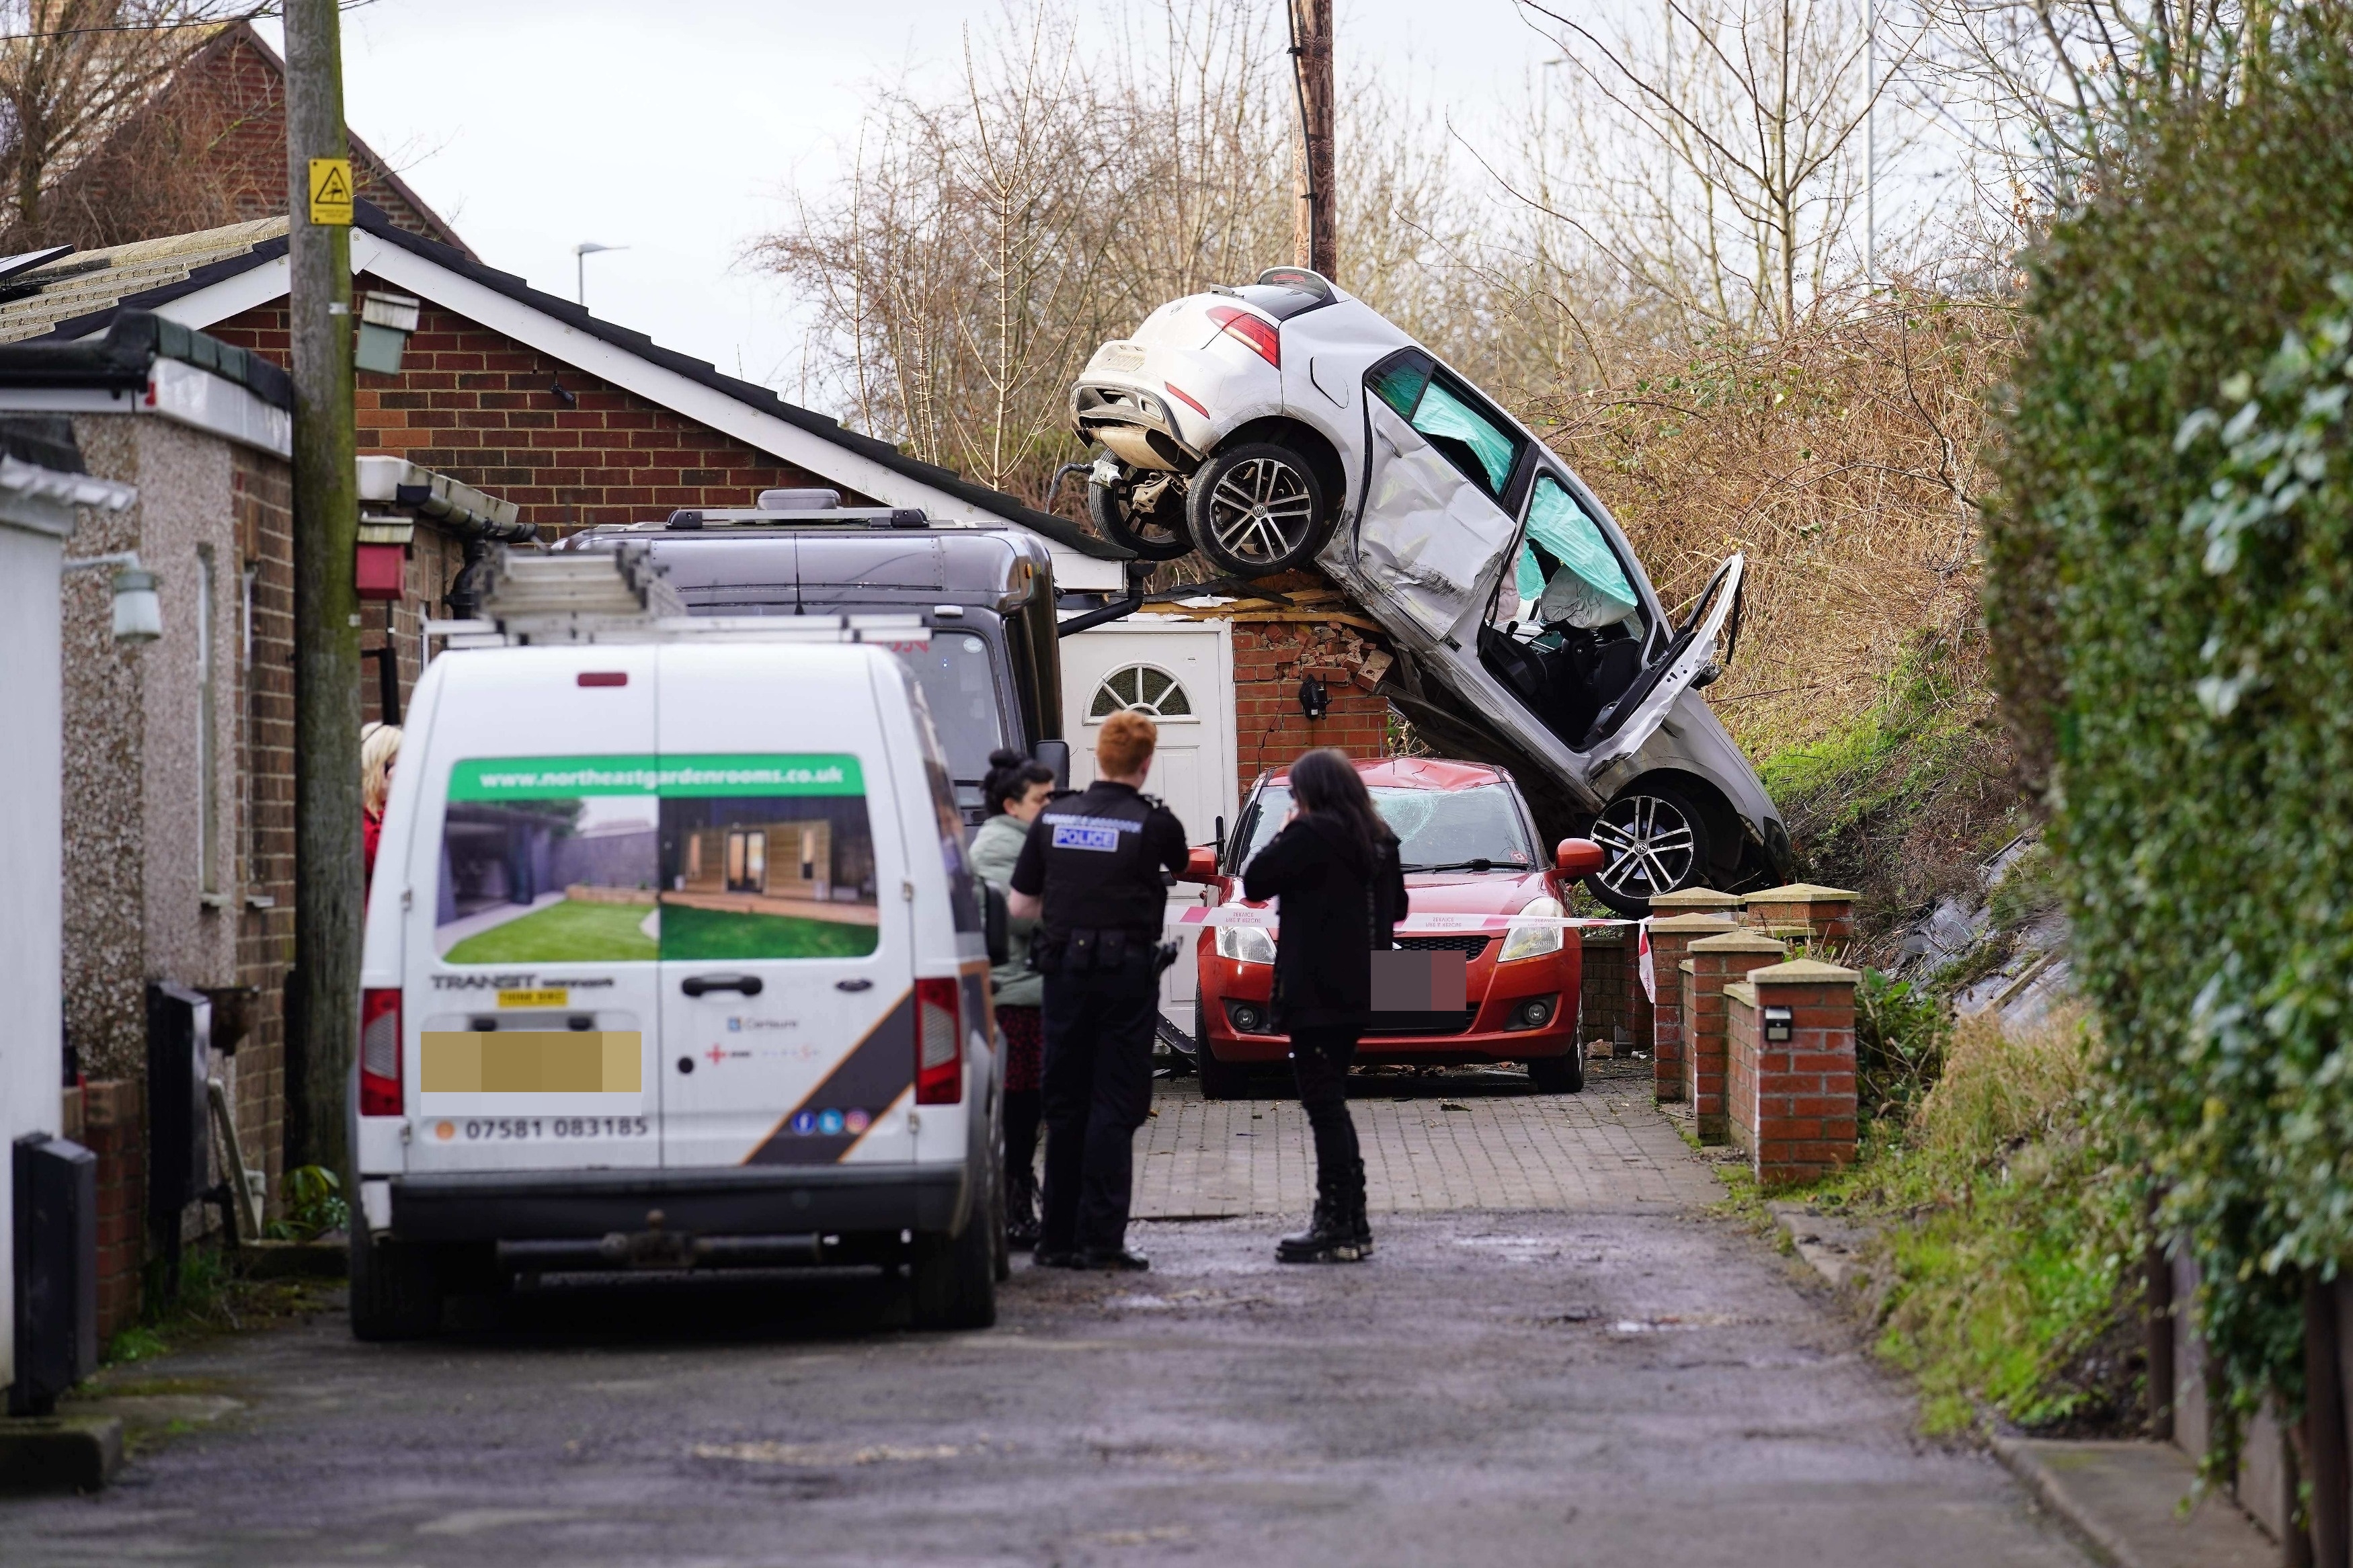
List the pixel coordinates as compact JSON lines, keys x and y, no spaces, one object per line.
{"x":1096,"y":860}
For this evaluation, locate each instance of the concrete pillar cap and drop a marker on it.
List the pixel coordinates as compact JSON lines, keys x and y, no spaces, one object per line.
{"x":1696,"y":899}
{"x":1797,"y":893}
{"x":1738,"y":941}
{"x":1711,"y":923}
{"x":1803,"y":971}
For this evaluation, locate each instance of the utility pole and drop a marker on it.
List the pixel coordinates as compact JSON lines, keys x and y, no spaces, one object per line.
{"x":1315,"y":236}
{"x":327,"y":866}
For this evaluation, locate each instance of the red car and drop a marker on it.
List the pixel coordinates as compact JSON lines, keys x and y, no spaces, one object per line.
{"x":1470,"y":847}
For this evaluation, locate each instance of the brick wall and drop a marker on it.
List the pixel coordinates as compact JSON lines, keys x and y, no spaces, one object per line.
{"x":1270,"y":659}
{"x":1670,"y":938}
{"x":114,"y":1130}
{"x":1712,"y":963}
{"x":265,"y":941}
{"x":1822,"y":918}
{"x":1792,"y":1103}
{"x":482,"y":408}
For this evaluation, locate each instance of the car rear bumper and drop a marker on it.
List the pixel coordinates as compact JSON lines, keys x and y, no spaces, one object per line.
{"x":544,"y":1205}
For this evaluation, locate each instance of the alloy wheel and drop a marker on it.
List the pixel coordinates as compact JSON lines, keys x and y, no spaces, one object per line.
{"x":1652,"y":842}
{"x":1261,"y":510}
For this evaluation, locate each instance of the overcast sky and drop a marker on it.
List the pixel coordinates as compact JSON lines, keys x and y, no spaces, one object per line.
{"x":676,"y":129}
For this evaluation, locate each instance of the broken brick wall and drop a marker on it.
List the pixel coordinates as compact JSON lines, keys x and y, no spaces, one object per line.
{"x":1272,"y":658}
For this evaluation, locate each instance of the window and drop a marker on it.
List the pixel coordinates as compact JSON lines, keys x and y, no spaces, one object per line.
{"x":959,"y":683}
{"x":1567,"y":567}
{"x":1473,"y":439}
{"x":1142,"y":688}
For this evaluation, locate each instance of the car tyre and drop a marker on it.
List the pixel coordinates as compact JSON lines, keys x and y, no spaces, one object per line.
{"x":397,"y":1290}
{"x":1221,"y":1079}
{"x":1159,"y":534}
{"x":1000,"y":1249}
{"x":955,"y":1277}
{"x":1256,"y":510}
{"x":1563,"y":1074}
{"x":1657,"y":842}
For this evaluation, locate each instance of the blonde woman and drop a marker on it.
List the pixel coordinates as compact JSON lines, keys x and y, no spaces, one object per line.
{"x":379,"y":749}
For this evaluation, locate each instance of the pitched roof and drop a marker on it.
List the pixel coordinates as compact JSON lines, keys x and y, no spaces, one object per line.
{"x":69,"y":300}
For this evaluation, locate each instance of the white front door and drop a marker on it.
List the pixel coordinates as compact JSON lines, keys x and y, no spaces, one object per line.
{"x":1181,"y":673}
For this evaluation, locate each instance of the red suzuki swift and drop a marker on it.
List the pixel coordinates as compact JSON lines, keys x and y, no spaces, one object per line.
{"x":1470,"y":848}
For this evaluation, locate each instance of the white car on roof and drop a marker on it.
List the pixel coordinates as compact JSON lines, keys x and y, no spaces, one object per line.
{"x":1285,"y":422}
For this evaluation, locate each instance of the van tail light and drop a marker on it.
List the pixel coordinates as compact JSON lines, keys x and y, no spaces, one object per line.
{"x":380,"y":1052}
{"x":1255,"y":331}
{"x":939,"y":1043}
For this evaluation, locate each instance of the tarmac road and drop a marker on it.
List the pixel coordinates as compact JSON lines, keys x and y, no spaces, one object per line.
{"x":1604,"y":1387}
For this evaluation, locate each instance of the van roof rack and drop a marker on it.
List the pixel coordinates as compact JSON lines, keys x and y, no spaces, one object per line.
{"x":625,"y":595}
{"x":688,"y":522}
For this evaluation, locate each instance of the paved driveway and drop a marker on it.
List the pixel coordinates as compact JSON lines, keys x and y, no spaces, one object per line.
{"x":1608,"y":1379}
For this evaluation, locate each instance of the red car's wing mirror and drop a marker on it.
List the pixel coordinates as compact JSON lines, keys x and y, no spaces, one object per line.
{"x":1201,"y":865}
{"x":1578,"y":858}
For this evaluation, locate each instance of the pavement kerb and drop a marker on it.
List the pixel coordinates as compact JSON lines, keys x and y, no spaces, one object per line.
{"x":2118,"y":1499}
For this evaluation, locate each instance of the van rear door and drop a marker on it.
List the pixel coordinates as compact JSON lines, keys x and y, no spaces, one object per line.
{"x":788,"y":1011}
{"x":530,"y":983}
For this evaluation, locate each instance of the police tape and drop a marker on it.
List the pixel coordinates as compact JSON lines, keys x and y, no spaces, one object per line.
{"x":1412,"y":925}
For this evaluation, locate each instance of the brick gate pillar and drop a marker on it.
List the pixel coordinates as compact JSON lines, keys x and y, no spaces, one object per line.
{"x":115,"y":1130}
{"x":1669,"y":938}
{"x":1715,"y":962}
{"x":1793,"y":1100}
{"x":1822,"y":918}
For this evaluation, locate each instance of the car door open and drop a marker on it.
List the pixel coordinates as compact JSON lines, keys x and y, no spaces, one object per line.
{"x":1636,"y":716}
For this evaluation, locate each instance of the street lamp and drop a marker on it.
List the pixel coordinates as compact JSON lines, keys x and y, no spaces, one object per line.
{"x":580,"y":255}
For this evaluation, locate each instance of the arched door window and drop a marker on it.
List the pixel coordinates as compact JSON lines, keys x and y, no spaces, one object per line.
{"x":1145,"y":688}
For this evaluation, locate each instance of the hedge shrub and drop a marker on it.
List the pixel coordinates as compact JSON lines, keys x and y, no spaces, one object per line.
{"x":2169,"y":586}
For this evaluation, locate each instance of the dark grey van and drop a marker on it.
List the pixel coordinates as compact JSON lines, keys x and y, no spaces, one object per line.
{"x":992,"y":674}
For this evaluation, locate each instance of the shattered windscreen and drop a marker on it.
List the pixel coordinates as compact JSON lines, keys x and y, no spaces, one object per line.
{"x":1567,"y":567}
{"x":1434,"y":828}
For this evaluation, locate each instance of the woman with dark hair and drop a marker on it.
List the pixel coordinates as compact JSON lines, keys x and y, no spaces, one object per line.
{"x":1335,"y":867}
{"x":1016,"y":790}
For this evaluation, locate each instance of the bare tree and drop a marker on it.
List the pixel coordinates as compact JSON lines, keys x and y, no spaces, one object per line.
{"x":72,"y":72}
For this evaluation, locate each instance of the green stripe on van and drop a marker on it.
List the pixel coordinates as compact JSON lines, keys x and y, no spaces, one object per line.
{"x":716,"y":774}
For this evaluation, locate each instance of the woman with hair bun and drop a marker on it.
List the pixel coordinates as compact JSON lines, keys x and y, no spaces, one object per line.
{"x":1016,"y":790}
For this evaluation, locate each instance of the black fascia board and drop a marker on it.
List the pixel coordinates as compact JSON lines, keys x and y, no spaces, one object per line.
{"x":1062,"y":531}
{"x":135,"y":341}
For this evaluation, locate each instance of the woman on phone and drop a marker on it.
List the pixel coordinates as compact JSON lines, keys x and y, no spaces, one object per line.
{"x":1015,"y":789}
{"x":1335,"y":867}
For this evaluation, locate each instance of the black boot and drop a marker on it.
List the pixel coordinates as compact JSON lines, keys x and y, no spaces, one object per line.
{"x":1360,"y":1227}
{"x":1328,"y":1238}
{"x":1020,"y":1209}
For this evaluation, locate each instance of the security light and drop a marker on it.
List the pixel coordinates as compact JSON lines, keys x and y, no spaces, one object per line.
{"x":137,"y":609}
{"x":1313,"y":700}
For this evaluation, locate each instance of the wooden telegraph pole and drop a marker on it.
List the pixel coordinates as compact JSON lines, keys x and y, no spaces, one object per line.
{"x":327,"y":864}
{"x":1315,"y":236}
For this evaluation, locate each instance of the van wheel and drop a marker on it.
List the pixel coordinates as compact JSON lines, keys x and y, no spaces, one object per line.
{"x":1561,"y":1074}
{"x":397,"y":1290}
{"x":1257,"y":509}
{"x":1221,"y":1079}
{"x":1000,"y":1249}
{"x":955,"y":1276}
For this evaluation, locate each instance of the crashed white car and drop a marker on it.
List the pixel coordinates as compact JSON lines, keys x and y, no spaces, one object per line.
{"x":1285,"y":422}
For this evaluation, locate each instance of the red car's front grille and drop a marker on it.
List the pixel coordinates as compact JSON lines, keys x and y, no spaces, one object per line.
{"x":1470,"y":945}
{"x":1447,"y":1023}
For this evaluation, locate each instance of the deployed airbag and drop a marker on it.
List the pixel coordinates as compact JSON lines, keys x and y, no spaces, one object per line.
{"x":1588,"y":587}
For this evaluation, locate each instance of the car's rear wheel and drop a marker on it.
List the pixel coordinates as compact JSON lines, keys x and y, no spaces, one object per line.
{"x":1563,"y":1074}
{"x":397,"y":1288}
{"x":1656,"y":841}
{"x":1257,"y":509}
{"x":1221,"y":1079}
{"x":955,"y":1277}
{"x":1144,"y":513}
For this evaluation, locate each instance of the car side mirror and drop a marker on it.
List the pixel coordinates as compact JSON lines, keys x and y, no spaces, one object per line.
{"x":1200,"y":866}
{"x":1578,"y":857}
{"x":994,"y":916}
{"x":1055,"y":754}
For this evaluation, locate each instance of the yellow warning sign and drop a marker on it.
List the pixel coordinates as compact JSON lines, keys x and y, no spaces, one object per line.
{"x":330,"y":191}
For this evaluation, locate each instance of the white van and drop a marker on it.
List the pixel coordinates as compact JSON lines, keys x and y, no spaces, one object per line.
{"x":672,"y":961}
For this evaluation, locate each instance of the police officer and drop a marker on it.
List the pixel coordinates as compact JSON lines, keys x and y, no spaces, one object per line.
{"x":1090,"y":874}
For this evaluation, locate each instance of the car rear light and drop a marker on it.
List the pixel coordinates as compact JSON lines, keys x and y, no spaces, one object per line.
{"x":1191,"y":401}
{"x":1255,"y":331}
{"x":380,"y":1052}
{"x":939,"y":1043}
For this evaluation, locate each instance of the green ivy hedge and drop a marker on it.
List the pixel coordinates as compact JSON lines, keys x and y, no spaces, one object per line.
{"x":2169,"y":589}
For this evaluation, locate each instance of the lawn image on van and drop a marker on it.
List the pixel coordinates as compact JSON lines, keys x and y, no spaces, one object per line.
{"x":627,"y":858}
